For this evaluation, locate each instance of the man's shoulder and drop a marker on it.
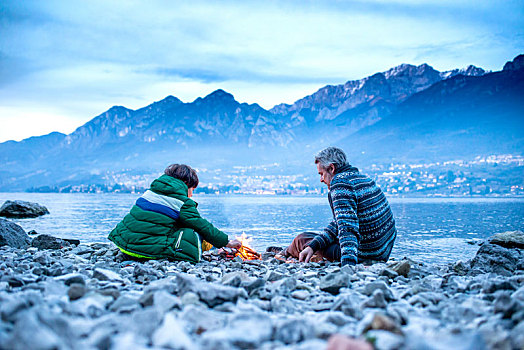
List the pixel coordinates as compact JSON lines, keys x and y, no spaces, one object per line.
{"x":349,"y":177}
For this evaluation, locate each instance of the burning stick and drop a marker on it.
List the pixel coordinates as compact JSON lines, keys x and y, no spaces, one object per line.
{"x":245,"y":252}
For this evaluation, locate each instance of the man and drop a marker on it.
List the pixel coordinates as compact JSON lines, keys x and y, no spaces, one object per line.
{"x":363,"y":227}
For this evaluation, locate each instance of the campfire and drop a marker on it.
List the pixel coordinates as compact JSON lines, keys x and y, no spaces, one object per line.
{"x":245,"y":252}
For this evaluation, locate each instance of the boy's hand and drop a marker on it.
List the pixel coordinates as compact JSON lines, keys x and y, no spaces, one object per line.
{"x":234,"y":243}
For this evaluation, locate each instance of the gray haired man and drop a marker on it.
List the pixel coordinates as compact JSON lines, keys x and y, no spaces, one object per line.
{"x":363,"y":227}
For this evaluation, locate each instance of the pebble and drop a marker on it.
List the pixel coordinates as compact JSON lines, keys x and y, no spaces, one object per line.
{"x":89,"y":296}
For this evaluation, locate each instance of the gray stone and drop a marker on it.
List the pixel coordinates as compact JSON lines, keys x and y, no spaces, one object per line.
{"x":384,"y":340}
{"x":332,"y":283}
{"x":164,"y":301}
{"x":335,"y":317}
{"x":210,"y":293}
{"x":13,"y":235}
{"x":294,"y":331}
{"x":171,"y":334}
{"x":252,"y":286}
{"x":282,"y":305}
{"x":377,"y":300}
{"x":124,"y":303}
{"x":349,"y":303}
{"x":42,"y":258}
{"x":492,"y":286}
{"x":190,"y":298}
{"x":324,"y":329}
{"x":389,"y":273}
{"x":106,"y":275}
{"x":457,"y":283}
{"x":273,"y":276}
{"x":201,"y":319}
{"x":71,"y":278}
{"x":58,"y":323}
{"x":167,"y":284}
{"x":505,"y":305}
{"x":497,"y":259}
{"x":146,"y":272}
{"x":284,"y":286}
{"x":244,"y":331}
{"x":110,"y":291}
{"x":76,"y":291}
{"x":21,"y":209}
{"x":370,"y":287}
{"x":30,"y":333}
{"x":399,"y":311}
{"x":15,"y":281}
{"x":92,"y":305}
{"x":509,"y":239}
{"x":517,"y":336}
{"x":459,"y":340}
{"x":235,"y":278}
{"x":128,"y":340}
{"x":10,"y":307}
{"x":145,"y":321}
{"x":402,"y":268}
{"x":519,"y":294}
{"x":47,"y":242}
{"x":82,"y":249}
{"x":300,"y":294}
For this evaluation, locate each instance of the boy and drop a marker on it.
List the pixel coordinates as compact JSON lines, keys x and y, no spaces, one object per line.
{"x":164,"y":222}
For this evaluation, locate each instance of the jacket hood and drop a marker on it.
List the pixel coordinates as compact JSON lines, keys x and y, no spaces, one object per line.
{"x":168,"y":185}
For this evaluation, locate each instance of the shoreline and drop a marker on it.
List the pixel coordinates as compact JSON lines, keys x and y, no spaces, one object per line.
{"x":87,"y":296}
{"x":435,"y":197}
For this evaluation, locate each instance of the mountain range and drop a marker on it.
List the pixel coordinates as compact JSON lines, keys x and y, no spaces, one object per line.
{"x":406,"y":114}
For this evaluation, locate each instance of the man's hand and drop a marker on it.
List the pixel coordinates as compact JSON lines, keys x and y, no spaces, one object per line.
{"x":305,"y":255}
{"x":234,"y":243}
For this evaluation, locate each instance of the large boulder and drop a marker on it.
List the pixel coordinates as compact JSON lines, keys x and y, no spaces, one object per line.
{"x":509,"y":239}
{"x":21,"y":209}
{"x":501,"y":254}
{"x":13,"y":235}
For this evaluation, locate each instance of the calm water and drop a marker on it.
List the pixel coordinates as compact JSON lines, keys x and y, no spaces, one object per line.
{"x":430,"y":230}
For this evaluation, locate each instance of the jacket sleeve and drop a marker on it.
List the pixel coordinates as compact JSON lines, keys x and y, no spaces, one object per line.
{"x":325,"y":238}
{"x":190,"y":218}
{"x":345,"y":212}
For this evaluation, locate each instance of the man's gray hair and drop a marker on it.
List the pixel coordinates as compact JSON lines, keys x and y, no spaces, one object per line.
{"x":331,"y":155}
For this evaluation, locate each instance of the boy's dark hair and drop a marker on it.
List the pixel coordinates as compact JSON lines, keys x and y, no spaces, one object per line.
{"x":183,"y":172}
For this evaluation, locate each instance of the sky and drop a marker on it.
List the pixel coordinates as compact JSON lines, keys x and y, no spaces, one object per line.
{"x":64,"y":62}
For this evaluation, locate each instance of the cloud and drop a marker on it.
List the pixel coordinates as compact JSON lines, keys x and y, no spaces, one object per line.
{"x":81,"y":57}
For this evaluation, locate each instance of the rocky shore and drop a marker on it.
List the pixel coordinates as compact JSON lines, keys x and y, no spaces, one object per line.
{"x":89,"y":297}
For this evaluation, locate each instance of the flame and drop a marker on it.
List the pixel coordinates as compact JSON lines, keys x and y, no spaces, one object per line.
{"x":246,"y":252}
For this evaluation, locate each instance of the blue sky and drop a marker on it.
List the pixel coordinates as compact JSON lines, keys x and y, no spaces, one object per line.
{"x":64,"y":62}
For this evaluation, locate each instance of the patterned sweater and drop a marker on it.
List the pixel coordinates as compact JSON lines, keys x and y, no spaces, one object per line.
{"x":363,"y":223}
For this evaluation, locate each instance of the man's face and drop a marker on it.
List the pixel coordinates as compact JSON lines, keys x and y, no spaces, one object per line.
{"x":326,"y":174}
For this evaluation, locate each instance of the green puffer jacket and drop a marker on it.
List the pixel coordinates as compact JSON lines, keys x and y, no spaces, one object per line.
{"x":164,"y":223}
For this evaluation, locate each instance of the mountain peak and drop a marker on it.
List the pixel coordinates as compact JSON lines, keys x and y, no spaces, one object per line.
{"x":473,"y":71}
{"x":219,"y":95}
{"x":408,"y":69}
{"x":116,"y":109}
{"x":170,"y":99}
{"x":516,"y":64}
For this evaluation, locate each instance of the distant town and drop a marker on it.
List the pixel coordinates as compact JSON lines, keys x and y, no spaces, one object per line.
{"x":497,"y":176}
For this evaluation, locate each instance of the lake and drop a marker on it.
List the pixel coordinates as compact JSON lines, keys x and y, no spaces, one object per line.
{"x":432,"y":230}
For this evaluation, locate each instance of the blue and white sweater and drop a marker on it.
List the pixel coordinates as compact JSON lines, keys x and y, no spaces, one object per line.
{"x":363,"y":223}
